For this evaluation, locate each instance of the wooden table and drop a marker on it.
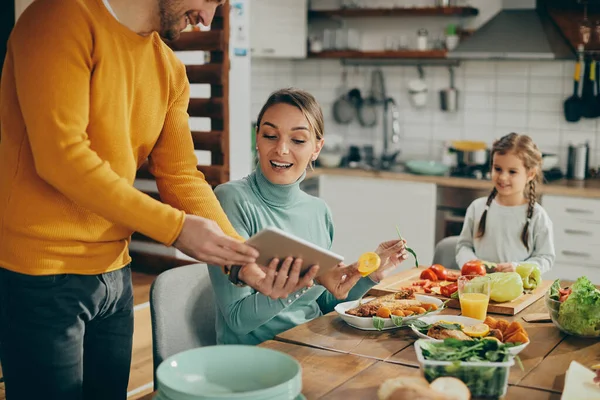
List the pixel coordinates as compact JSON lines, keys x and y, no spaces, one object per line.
{"x":341,"y":362}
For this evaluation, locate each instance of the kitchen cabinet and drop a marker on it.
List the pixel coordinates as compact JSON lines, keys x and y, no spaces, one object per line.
{"x":278,"y":28}
{"x":366,"y":212}
{"x":576,"y":224}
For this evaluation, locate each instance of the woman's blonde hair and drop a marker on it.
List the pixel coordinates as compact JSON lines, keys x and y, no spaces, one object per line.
{"x":302,"y":100}
{"x":523,"y":147}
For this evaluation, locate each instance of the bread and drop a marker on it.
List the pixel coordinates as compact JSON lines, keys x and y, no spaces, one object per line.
{"x":389,"y":386}
{"x":417,"y":388}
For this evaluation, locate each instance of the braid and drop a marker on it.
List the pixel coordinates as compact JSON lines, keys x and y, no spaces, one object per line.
{"x":532,"y":199}
{"x":481,"y":229}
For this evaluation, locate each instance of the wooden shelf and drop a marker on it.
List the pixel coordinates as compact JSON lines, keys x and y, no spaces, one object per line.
{"x":394,"y":12}
{"x":407,"y":54}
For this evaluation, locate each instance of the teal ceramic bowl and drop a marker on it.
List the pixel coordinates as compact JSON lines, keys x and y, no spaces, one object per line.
{"x":425,"y":167}
{"x":230,"y":372}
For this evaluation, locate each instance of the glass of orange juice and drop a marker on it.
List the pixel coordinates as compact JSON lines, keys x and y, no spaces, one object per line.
{"x":474,"y":295}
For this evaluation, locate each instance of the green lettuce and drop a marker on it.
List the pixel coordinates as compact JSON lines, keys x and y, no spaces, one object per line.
{"x":580,"y":313}
{"x":530,"y":274}
{"x":506,"y":286}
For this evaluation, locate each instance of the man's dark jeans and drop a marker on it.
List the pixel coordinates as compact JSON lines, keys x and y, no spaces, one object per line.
{"x":66,"y":337}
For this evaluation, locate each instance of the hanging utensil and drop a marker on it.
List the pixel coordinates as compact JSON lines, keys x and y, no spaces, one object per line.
{"x":449,"y":96}
{"x":343,"y":108}
{"x":367,"y":112}
{"x":572,"y":105}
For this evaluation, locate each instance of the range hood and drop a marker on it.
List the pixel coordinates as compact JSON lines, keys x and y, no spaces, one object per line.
{"x":515,"y":34}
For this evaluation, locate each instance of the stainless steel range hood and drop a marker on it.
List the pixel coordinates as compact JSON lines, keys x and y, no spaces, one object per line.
{"x":515,"y":34}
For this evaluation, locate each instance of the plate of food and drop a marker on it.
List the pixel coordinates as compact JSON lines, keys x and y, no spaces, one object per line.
{"x":440,"y":327}
{"x":389,"y":311}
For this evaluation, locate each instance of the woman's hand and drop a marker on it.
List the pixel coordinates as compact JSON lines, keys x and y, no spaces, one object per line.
{"x":278,"y":284}
{"x":506,"y":267}
{"x":340,"y":280}
{"x":391,"y":254}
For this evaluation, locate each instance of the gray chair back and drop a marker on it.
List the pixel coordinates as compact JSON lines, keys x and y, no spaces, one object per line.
{"x":182,"y":308}
{"x":445,"y":252}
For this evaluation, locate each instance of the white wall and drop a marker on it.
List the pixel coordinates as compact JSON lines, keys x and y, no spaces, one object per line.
{"x":496,"y":98}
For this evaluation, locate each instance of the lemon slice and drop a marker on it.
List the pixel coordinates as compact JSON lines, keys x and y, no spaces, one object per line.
{"x":368,"y":262}
{"x":596,"y":367}
{"x":477,"y":330}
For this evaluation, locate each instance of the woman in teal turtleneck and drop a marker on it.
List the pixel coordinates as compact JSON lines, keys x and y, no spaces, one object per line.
{"x":289,"y":137}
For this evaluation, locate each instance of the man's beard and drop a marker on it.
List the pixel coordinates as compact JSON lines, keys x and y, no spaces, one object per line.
{"x":170,"y":18}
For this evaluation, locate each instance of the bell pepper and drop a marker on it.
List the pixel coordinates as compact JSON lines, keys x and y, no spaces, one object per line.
{"x":530,"y":274}
{"x":448,"y":290}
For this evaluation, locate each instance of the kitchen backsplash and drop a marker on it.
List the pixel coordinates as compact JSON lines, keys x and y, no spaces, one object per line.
{"x":495,"y":98}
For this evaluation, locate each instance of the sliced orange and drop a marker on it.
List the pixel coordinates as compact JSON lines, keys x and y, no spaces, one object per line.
{"x":368,"y":263}
{"x":477,"y":330}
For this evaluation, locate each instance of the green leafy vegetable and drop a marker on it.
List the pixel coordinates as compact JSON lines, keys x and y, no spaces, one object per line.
{"x":411,"y":251}
{"x":580,"y":312}
{"x":396,"y":319}
{"x":378,"y":323}
{"x":555,"y":290}
{"x":424,"y":327}
{"x":506,"y":286}
{"x":530,"y":275}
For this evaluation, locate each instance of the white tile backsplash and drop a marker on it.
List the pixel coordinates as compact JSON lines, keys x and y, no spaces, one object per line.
{"x":495,"y":98}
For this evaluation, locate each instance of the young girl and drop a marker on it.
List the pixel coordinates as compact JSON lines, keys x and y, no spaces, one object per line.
{"x":289,"y":138}
{"x":509,"y":226}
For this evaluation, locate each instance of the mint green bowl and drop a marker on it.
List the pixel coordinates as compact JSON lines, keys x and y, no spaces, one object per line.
{"x":229,"y":372}
{"x":425,"y":167}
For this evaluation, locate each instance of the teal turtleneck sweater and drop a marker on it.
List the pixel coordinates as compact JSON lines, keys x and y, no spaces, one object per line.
{"x":251,"y":204}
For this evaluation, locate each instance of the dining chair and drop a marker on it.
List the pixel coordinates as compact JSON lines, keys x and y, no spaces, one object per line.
{"x":445,"y":252}
{"x":182,"y":310}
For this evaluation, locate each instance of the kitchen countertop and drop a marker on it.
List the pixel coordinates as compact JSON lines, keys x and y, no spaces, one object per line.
{"x":589,"y":188}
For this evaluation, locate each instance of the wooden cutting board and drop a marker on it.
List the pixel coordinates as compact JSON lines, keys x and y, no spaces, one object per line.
{"x":406,"y":278}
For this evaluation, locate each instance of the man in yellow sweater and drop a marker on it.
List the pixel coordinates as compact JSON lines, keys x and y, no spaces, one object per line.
{"x":88,"y":92}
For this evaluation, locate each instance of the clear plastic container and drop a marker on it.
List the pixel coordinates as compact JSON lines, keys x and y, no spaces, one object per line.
{"x":484,"y":379}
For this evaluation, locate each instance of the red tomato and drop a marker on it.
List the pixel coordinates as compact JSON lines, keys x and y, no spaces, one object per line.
{"x":447,"y":290}
{"x":440,"y":271}
{"x":452,"y":275}
{"x":429,"y":275}
{"x":473,"y":267}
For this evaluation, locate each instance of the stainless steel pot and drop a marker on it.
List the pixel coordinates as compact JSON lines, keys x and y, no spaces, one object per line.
{"x":449,"y":96}
{"x":471,"y":157}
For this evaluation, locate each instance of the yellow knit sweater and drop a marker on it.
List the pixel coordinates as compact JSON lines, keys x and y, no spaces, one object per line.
{"x":84,"y":102}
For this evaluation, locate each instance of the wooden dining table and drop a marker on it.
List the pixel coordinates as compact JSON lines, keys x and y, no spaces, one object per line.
{"x":342,"y":362}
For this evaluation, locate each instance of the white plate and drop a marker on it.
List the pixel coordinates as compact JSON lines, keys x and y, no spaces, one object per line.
{"x":466,"y":321}
{"x":366,"y":323}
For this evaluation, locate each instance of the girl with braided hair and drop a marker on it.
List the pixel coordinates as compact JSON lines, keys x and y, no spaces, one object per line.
{"x":509,"y":226}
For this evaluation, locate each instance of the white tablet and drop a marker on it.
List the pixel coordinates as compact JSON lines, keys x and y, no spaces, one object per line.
{"x":272,"y":243}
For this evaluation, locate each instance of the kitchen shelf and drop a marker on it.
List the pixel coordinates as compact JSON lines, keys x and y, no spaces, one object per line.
{"x":396,"y":54}
{"x":394,"y":12}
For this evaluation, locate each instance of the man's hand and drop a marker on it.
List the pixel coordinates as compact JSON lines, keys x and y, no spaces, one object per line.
{"x":340,"y":280}
{"x":391,"y":253}
{"x":203,"y":239}
{"x":277,"y":284}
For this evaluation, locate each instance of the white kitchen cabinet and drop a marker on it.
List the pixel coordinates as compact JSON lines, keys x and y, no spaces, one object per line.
{"x":278,"y":28}
{"x":366,"y":212}
{"x":576,"y":223}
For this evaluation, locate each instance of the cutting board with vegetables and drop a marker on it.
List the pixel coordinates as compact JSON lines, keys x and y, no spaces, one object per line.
{"x":407,"y":278}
